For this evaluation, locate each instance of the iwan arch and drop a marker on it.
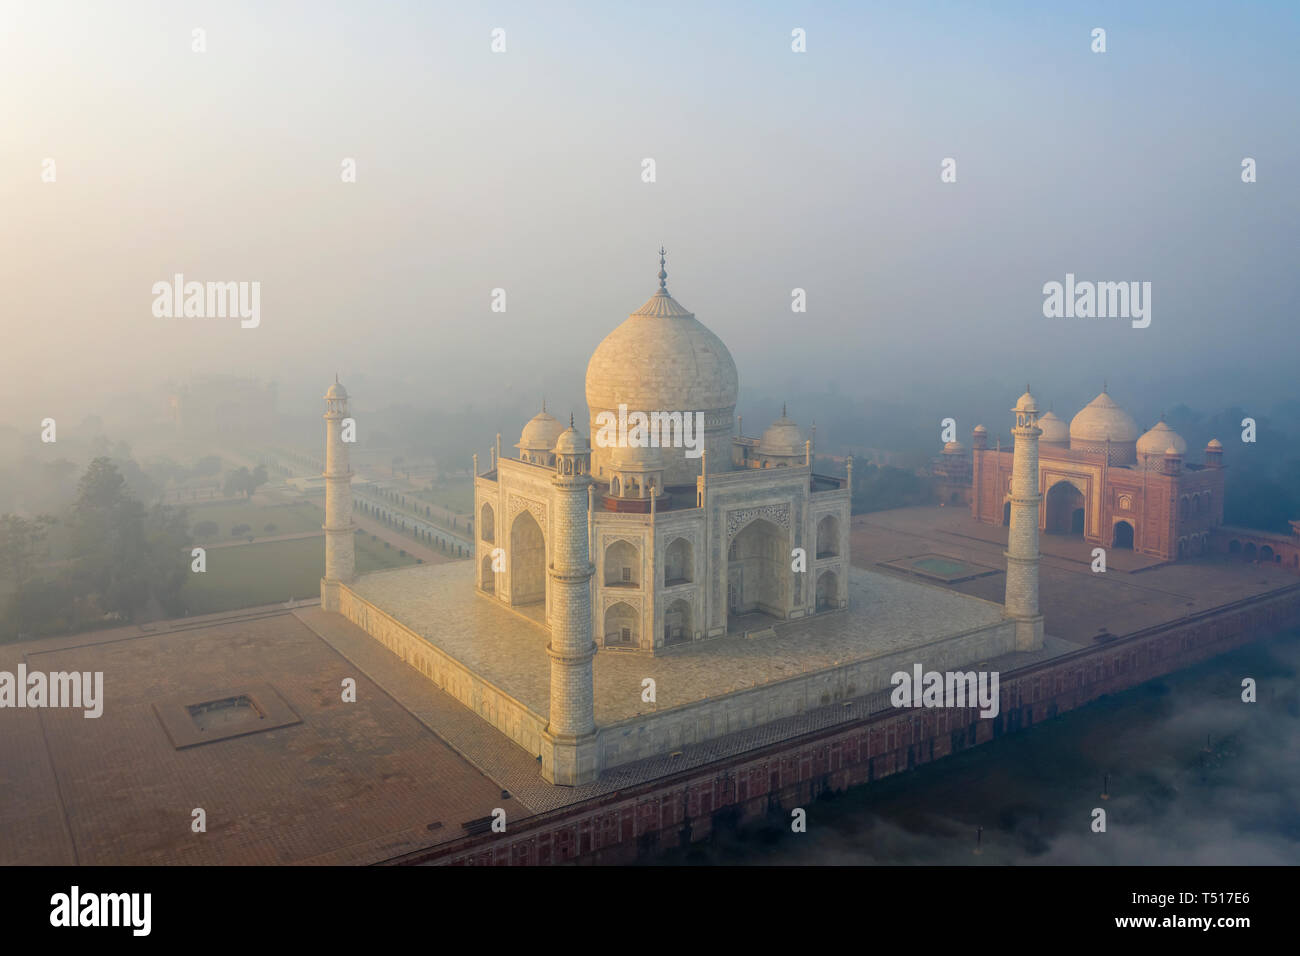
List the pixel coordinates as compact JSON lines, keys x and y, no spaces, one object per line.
{"x":724,"y":577}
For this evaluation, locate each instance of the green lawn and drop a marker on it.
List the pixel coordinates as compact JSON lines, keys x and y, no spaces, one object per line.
{"x":274,"y":571}
{"x":287,"y":518}
{"x":454,"y":494}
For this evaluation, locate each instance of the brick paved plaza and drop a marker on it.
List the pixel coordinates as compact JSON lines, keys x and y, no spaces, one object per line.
{"x":1136,"y":591}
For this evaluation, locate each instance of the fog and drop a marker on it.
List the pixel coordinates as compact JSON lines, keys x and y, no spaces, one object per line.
{"x":522,"y":171}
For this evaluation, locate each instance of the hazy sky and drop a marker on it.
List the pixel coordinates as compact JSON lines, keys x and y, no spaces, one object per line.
{"x":522,"y":170}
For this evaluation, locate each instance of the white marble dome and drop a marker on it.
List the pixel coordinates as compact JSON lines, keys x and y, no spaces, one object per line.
{"x":663,"y":359}
{"x":782,"y":438}
{"x":1055,"y":431}
{"x":571,"y":442}
{"x":1103,"y":419}
{"x":1159,"y":438}
{"x":540,"y":433}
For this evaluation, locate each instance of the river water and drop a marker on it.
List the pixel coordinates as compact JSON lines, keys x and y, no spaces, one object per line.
{"x":1193,"y":774}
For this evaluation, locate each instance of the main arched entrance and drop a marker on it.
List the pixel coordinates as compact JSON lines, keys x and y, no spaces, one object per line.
{"x":1123,"y":537}
{"x":757,"y":565}
{"x":1065,"y":506}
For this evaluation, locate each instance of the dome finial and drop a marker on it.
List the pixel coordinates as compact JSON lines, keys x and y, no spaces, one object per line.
{"x":663,"y":275}
{"x":570,"y":419}
{"x":336,"y":378}
{"x":543,"y":403}
{"x":1105,"y":386}
{"x":783,"y":409}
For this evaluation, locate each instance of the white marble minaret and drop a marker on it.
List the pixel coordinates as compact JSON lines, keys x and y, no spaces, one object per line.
{"x":1022,"y":542}
{"x":569,"y":747}
{"x":340,"y":559}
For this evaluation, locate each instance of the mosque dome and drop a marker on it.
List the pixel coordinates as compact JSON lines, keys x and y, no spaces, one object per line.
{"x":1159,"y":438}
{"x":1055,"y":431}
{"x":540,"y":433}
{"x":1103,"y":419}
{"x":782,"y":438}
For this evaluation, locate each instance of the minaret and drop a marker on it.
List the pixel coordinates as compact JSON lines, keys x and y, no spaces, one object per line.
{"x":340,"y":561}
{"x":1022,"y":542}
{"x":569,"y":748}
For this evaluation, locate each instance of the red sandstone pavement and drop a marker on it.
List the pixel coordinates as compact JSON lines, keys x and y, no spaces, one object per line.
{"x":352,"y":783}
{"x":1077,"y":604}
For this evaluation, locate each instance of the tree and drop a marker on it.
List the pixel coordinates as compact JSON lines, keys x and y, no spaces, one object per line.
{"x":20,"y":540}
{"x":207,"y":466}
{"x":126,"y":555}
{"x":237,"y":482}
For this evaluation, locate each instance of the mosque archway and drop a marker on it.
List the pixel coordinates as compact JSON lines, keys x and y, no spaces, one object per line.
{"x":756,"y":569}
{"x":828,"y":537}
{"x":486,"y":523}
{"x":622,"y":565}
{"x":1122,"y":536}
{"x":527,"y":560}
{"x":828,"y":591}
{"x":1065,"y":506}
{"x":487,"y":577}
{"x":677,"y":623}
{"x":1006,"y":514}
{"x":679,"y":562}
{"x":621,"y":622}
{"x":1249,"y":552}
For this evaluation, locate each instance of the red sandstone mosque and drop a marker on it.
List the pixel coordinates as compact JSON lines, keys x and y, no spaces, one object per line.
{"x":1103,"y":479}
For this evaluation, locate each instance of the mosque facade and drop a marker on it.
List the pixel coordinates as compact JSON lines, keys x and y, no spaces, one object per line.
{"x":688,"y":543}
{"x":1100,"y":478}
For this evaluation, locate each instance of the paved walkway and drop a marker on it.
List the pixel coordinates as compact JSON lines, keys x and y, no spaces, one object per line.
{"x":398,"y":540}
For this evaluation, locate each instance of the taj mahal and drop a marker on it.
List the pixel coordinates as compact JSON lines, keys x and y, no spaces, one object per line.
{"x":715,"y":570}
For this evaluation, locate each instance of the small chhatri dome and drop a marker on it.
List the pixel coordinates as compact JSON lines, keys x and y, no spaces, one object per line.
{"x":1055,"y":431}
{"x":1215,"y":444}
{"x":571,"y":442}
{"x":1159,"y":438}
{"x":1102,"y":419}
{"x":981,"y":430}
{"x":1026,"y":402}
{"x":637,"y":458}
{"x":1172,"y":452}
{"x":541,"y":432}
{"x":953,"y":448}
{"x":336,"y":390}
{"x":782,"y":438}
